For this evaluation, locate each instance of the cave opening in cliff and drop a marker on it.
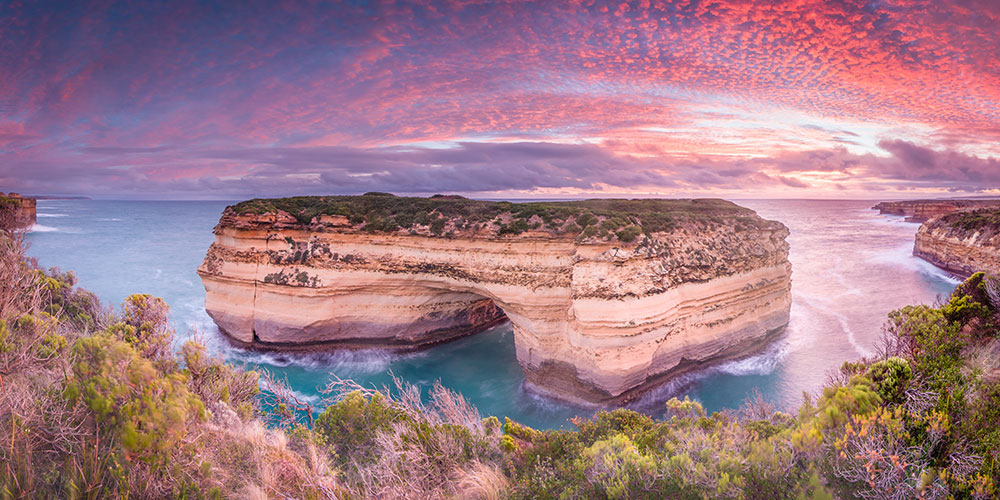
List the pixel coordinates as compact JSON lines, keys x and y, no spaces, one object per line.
{"x":479,"y":314}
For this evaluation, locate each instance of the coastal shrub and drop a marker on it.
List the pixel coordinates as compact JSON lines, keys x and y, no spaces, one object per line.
{"x":145,"y":326}
{"x":29,"y":340}
{"x":516,"y":227}
{"x":614,"y":468}
{"x":628,"y":234}
{"x":147,"y":412}
{"x":437,"y":225}
{"x":215,"y":381}
{"x":104,"y":408}
{"x":393,"y":444}
{"x":890,"y":377}
{"x":975,"y":220}
{"x":586,"y":219}
{"x":387,"y":213}
{"x":963,"y":308}
{"x":350,"y":426}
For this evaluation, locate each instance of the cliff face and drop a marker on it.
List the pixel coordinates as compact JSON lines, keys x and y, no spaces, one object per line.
{"x":17,"y":211}
{"x":962,"y":243}
{"x":924,"y":210}
{"x":595,"y":318}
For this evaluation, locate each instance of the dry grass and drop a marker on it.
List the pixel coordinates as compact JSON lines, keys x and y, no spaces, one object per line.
{"x":482,"y":482}
{"x":250,"y":460}
{"x":441,"y":450}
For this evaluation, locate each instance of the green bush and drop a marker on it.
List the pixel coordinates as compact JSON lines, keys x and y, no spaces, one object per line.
{"x":629,"y":234}
{"x":213,"y":380}
{"x":890,"y":377}
{"x":350,"y":425}
{"x":145,"y":411}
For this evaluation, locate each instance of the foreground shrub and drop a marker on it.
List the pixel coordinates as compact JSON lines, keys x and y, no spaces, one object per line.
{"x":96,"y":405}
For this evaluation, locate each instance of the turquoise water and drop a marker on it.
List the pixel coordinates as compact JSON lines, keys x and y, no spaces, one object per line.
{"x":850,"y":268}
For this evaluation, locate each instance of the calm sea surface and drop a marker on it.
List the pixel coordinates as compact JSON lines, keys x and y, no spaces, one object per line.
{"x":850,"y":267}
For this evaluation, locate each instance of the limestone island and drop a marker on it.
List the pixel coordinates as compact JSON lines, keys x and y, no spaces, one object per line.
{"x":607,"y":298}
{"x":16,"y":211}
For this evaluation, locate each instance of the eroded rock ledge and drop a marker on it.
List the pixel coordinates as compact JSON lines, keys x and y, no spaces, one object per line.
{"x":924,"y":210}
{"x":962,"y":243}
{"x":606,"y":297}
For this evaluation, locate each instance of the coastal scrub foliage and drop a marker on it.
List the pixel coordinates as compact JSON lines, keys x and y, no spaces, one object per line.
{"x":603,"y":219}
{"x":96,"y":403}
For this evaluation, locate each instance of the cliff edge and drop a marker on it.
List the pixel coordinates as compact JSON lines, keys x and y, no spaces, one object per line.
{"x":16,"y":211}
{"x":924,"y":210}
{"x":607,"y":297}
{"x":962,"y":243}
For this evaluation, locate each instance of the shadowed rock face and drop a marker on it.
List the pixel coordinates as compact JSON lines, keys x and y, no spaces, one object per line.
{"x":595,"y":319}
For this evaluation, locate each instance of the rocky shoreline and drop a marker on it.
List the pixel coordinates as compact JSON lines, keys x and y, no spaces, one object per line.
{"x":606,"y":297}
{"x":924,"y":210}
{"x":961,"y":243}
{"x":959,"y":236}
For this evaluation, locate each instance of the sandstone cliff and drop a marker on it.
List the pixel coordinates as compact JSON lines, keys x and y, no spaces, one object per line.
{"x":962,"y":243}
{"x":16,"y":211}
{"x":923,"y":210}
{"x":606,"y":297}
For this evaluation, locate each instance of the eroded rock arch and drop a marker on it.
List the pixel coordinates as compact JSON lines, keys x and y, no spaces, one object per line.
{"x":594,"y":323}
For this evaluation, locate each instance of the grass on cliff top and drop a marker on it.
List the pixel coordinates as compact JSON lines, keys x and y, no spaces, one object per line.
{"x":383,"y":212}
{"x":9,"y":202}
{"x":976,"y":220}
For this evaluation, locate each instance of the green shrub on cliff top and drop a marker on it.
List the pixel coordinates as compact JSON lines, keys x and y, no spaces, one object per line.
{"x":385,"y":213}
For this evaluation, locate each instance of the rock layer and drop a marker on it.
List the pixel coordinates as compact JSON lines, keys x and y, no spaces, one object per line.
{"x":594,"y":321}
{"x":961,"y":243}
{"x":17,"y":211}
{"x":924,"y":210}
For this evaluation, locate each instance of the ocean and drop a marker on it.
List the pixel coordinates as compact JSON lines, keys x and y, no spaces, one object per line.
{"x":850,"y":268}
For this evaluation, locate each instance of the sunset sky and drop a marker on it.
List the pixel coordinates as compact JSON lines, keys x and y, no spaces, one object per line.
{"x":226,"y":100}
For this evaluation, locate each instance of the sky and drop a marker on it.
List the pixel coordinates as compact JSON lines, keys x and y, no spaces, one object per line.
{"x":739,"y":99}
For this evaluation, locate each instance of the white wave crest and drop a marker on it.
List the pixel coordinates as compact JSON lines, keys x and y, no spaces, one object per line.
{"x":38,"y":228}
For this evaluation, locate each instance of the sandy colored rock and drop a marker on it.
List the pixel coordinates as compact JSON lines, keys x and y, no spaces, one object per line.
{"x":924,"y":210}
{"x":22,"y":210}
{"x":944,"y":242}
{"x":594,"y":321}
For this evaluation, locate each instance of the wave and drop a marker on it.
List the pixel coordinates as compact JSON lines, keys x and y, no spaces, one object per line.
{"x":38,"y":228}
{"x":312,"y":399}
{"x":52,"y":215}
{"x":761,"y":364}
{"x":345,"y":364}
{"x":816,"y":304}
{"x":903,"y":256}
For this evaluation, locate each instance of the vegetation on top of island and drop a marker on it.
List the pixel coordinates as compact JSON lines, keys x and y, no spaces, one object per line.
{"x":603,"y":219}
{"x":103,"y":404}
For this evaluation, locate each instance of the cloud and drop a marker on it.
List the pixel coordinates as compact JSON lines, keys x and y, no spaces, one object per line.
{"x":177,"y":97}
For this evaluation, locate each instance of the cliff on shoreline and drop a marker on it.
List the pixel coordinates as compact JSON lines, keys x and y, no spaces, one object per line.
{"x":962,"y":243}
{"x":606,"y":297}
{"x":924,"y":210}
{"x":17,"y":211}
